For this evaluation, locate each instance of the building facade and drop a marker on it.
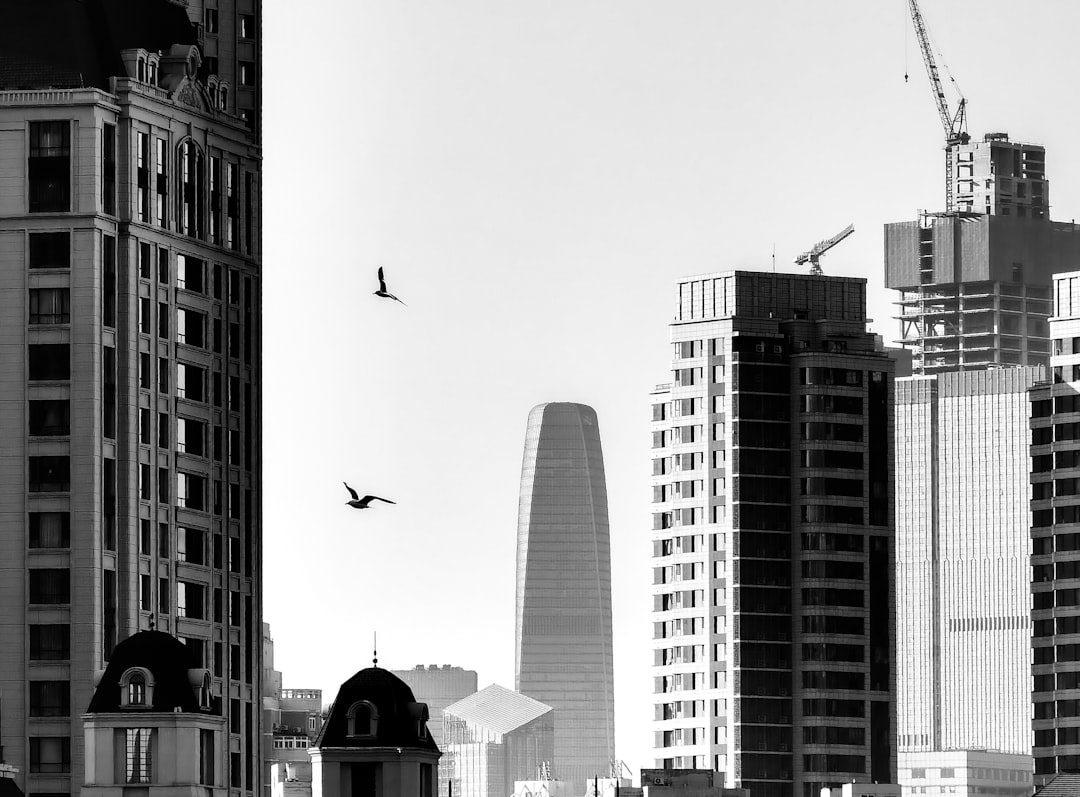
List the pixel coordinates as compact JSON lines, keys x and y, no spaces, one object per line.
{"x":494,"y":738}
{"x":130,"y":250}
{"x":563,"y":600}
{"x":1055,"y":539}
{"x":438,"y":687}
{"x":375,"y":742}
{"x":152,"y":724}
{"x":773,"y":591}
{"x":975,"y":282}
{"x":966,"y":773}
{"x":963,"y":571}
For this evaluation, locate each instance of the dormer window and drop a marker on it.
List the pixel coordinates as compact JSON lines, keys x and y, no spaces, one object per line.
{"x":152,"y":71}
{"x":200,"y":682}
{"x":205,"y":696}
{"x":140,"y":72}
{"x":223,"y":97}
{"x":419,"y":714}
{"x":363,"y":719}
{"x":136,"y":688}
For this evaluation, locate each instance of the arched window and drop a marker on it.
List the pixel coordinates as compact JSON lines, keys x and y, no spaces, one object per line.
{"x":136,"y":688}
{"x":192,"y":203}
{"x":363,"y":719}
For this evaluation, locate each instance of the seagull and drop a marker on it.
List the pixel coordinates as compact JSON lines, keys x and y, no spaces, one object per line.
{"x":382,"y":292}
{"x":362,"y":503}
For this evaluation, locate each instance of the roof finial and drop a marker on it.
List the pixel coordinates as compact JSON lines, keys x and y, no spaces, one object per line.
{"x":151,"y":623}
{"x":375,"y":648}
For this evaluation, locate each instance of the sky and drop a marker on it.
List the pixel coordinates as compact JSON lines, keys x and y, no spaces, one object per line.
{"x":535,"y":177}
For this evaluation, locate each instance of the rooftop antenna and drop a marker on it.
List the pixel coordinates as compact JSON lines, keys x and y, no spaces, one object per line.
{"x":774,"y":257}
{"x":375,"y":648}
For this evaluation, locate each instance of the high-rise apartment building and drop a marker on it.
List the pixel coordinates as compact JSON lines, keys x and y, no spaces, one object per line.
{"x":975,"y":285}
{"x":1055,"y":539}
{"x":563,"y":614}
{"x":773,"y":633}
{"x":963,"y":571}
{"x":130,"y":329}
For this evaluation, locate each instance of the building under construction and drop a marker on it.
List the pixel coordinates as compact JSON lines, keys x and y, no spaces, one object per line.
{"x":975,"y":282}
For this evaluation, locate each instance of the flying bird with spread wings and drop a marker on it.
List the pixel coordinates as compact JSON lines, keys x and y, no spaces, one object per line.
{"x":362,"y":503}
{"x":382,"y":292}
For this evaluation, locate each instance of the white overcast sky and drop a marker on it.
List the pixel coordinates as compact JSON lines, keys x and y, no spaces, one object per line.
{"x":535,"y":176}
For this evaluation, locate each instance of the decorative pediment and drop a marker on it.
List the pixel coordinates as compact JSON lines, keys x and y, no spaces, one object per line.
{"x":179,"y":71}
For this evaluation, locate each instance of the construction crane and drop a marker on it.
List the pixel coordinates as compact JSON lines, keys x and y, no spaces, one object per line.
{"x":813,"y":256}
{"x":955,"y":125}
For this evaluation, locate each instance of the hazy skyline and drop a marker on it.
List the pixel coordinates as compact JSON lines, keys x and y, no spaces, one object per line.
{"x":534,"y":178}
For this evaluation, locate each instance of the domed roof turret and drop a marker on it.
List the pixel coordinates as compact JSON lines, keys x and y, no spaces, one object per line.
{"x":375,"y":708}
{"x":171,"y":680}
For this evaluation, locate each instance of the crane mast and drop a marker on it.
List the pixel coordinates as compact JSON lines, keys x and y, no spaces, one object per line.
{"x":954,"y":125}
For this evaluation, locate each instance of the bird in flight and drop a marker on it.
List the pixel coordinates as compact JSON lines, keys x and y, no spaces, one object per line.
{"x":382,"y":292}
{"x":362,"y":503}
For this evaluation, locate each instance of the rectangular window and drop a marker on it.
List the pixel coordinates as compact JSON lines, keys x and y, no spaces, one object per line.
{"x":163,"y":320}
{"x":163,"y":595}
{"x":142,"y":176}
{"x":50,"y":754}
{"x":108,"y":287}
{"x":146,"y":601}
{"x":50,"y":530}
{"x":50,"y":417}
{"x":247,"y":73}
{"x":50,"y":306}
{"x":232,"y":206}
{"x":190,"y":600}
{"x":163,"y":540}
{"x":49,"y":167}
{"x":108,"y":392}
{"x":145,"y":259}
{"x":161,"y":183}
{"x":190,"y":274}
{"x":144,"y":481}
{"x":191,"y":382}
{"x":191,"y":437}
{"x":206,"y":757}
{"x":50,"y":642}
{"x":50,"y":250}
{"x":137,"y":769}
{"x":190,"y":328}
{"x":190,"y":491}
{"x":50,"y":474}
{"x":163,"y":375}
{"x":247,"y":26}
{"x":50,"y":586}
{"x":191,"y":545}
{"x":211,"y":20}
{"x":144,"y":370}
{"x":49,"y":362}
{"x":108,"y":169}
{"x":50,"y":698}
{"x":215,"y":199}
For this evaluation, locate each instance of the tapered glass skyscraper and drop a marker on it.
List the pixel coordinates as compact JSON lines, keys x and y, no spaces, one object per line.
{"x":563,"y":618}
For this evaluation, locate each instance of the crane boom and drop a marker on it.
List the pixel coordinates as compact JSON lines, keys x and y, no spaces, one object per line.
{"x":931,"y":66}
{"x":954,"y":124}
{"x":813,"y":256}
